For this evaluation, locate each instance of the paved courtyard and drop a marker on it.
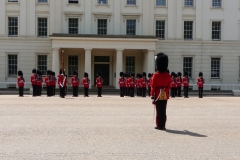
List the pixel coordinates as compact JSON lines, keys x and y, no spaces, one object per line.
{"x":118,"y":128}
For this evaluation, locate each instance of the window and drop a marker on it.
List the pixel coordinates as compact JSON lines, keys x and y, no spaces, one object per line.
{"x":187,"y":66}
{"x":12,"y":26}
{"x":12,"y":65}
{"x":12,"y":0}
{"x":130,"y":64}
{"x":42,"y":27}
{"x":102,"y":1}
{"x":102,"y":26}
{"x":216,"y":3}
{"x":160,"y":2}
{"x":216,"y":30}
{"x":188,"y":30}
{"x":42,"y":1}
{"x":188,"y":3}
{"x":42,"y":64}
{"x":160,"y":29}
{"x":73,"y":25}
{"x":131,"y":27}
{"x":215,"y":68}
{"x":72,"y":64}
{"x":101,"y":59}
{"x":131,"y":2}
{"x":72,"y":1}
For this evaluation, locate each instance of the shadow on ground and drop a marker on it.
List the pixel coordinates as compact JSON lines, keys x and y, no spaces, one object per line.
{"x":185,"y":132}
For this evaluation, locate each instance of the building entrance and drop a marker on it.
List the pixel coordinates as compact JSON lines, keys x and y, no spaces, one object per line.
{"x":104,"y":68}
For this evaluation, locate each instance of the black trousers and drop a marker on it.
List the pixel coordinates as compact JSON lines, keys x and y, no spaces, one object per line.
{"x":62,"y":92}
{"x":144,"y":91}
{"x":200,"y":92}
{"x":34,"y":90}
{"x":185,"y":89}
{"x":99,"y":91}
{"x":54,"y":90}
{"x":39,"y":89}
{"x":173,"y":91}
{"x":126,"y":91}
{"x":20,"y":89}
{"x":149,"y":91}
{"x":137,"y":91}
{"x":140,"y":91}
{"x":86,"y":92}
{"x":131,"y":89}
{"x":75,"y":91}
{"x":161,"y":117}
{"x":122,"y":91}
{"x":48,"y":91}
{"x":179,"y":89}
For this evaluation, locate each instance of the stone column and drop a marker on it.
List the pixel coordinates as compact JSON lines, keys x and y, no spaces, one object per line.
{"x":119,"y":65}
{"x":199,"y":21}
{"x":150,"y":61}
{"x":2,"y":17}
{"x":88,"y":65}
{"x":55,"y":60}
{"x":23,"y":19}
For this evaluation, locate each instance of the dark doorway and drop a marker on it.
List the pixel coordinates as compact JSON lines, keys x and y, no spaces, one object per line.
{"x":104,"y":68}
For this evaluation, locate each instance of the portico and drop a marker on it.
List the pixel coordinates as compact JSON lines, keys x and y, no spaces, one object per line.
{"x":105,"y":53}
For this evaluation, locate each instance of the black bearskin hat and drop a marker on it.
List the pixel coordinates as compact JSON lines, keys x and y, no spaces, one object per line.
{"x":144,"y":74}
{"x":20,"y":73}
{"x":132,"y":74}
{"x":200,"y":74}
{"x":75,"y":72}
{"x":149,"y":75}
{"x":49,"y":72}
{"x":53,"y":73}
{"x":179,"y":74}
{"x":140,"y":76}
{"x":125,"y":75}
{"x":185,"y":73}
{"x":137,"y":75}
{"x":121,"y":74}
{"x":99,"y":73}
{"x":162,"y":62}
{"x":34,"y":70}
{"x":173,"y":74}
{"x":38,"y":72}
{"x":85,"y":74}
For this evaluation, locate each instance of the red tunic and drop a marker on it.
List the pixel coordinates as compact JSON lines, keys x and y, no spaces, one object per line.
{"x":53,"y":82}
{"x":61,"y":79}
{"x":121,"y":82}
{"x":185,"y":82}
{"x":47,"y":81}
{"x":149,"y":82}
{"x":85,"y":82}
{"x":173,"y":83}
{"x":131,"y":82}
{"x":20,"y":81}
{"x":144,"y":82}
{"x":75,"y":81}
{"x":139,"y":83}
{"x":39,"y":81}
{"x":33,"y":79}
{"x":160,"y":80}
{"x":136,"y":82}
{"x":200,"y":82}
{"x":179,"y":82}
{"x":99,"y":83}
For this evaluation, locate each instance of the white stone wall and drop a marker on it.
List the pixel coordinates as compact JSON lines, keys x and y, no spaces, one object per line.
{"x":201,"y":48}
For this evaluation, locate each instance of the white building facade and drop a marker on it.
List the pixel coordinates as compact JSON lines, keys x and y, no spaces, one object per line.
{"x":120,"y":35}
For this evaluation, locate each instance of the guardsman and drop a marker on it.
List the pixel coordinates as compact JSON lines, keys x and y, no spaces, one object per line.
{"x":131,"y":83}
{"x":48,"y":82}
{"x":126,"y":85}
{"x":99,"y":84}
{"x":173,"y":85}
{"x":149,"y":83}
{"x":137,"y":84}
{"x":53,"y":84}
{"x":20,"y":82}
{"x":140,"y":85}
{"x":185,"y":81}
{"x":129,"y":87}
{"x":179,"y":84}
{"x":144,"y":84}
{"x":34,"y":82}
{"x":161,"y":84}
{"x":39,"y":83}
{"x":121,"y":83}
{"x":200,"y":82}
{"x":62,"y":82}
{"x":75,"y":84}
{"x":86,"y":83}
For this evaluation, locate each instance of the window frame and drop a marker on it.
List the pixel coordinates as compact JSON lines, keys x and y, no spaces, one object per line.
{"x":160,"y":29}
{"x":220,"y":68}
{"x":37,"y":64}
{"x":38,"y":27}
{"x":102,"y":3}
{"x":221,"y":4}
{"x":192,"y":68}
{"x":193,"y":4}
{"x":131,"y":4}
{"x":135,"y":26}
{"x":102,"y":28}
{"x":188,"y":30}
{"x":161,"y":5}
{"x":13,"y":54}
{"x":42,"y":2}
{"x":7,"y":24}
{"x":70,"y":73}
{"x":73,"y":1}
{"x":12,"y":1}
{"x":130,"y":56}
{"x":73,"y":27}
{"x":221,"y":28}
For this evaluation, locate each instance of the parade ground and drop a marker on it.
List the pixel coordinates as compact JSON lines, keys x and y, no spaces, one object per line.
{"x":110,"y":127}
